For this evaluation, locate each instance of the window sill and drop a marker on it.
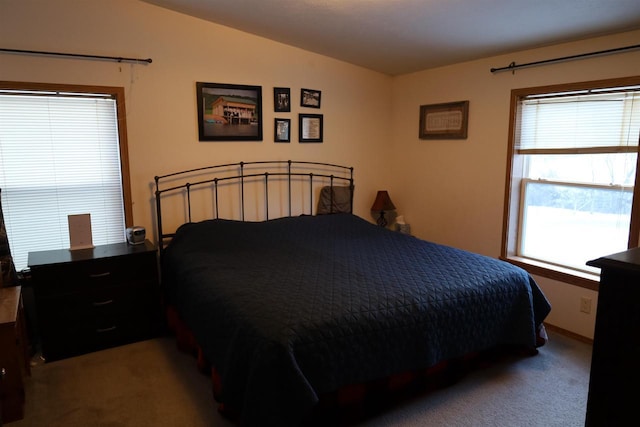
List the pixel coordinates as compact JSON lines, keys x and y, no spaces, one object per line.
{"x":550,"y":271}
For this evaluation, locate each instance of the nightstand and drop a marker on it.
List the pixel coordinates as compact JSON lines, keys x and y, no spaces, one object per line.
{"x":92,"y":299}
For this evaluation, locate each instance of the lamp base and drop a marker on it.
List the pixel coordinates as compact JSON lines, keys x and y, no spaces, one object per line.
{"x":382,"y":221}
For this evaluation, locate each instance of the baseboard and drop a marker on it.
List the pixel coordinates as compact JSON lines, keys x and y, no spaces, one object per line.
{"x":568,"y":333}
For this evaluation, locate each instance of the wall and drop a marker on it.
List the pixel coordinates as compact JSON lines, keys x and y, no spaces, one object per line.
{"x":161,"y":96}
{"x":452,"y":191}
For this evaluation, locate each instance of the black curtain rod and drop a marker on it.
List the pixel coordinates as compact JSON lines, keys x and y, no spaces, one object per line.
{"x":78,"y":55}
{"x":514,"y":67}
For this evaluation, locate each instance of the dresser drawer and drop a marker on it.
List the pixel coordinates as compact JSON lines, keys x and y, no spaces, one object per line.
{"x":60,"y":279}
{"x":94,"y":304}
{"x":72,"y":339}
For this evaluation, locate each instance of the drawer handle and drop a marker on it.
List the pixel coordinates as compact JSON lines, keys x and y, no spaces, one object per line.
{"x":101,"y":330}
{"x":101,"y":303}
{"x":97,"y":275}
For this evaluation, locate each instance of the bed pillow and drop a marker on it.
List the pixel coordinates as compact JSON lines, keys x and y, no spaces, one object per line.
{"x":341,"y":200}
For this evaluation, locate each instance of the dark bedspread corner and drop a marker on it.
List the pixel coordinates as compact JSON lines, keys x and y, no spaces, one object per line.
{"x":291,"y":308}
{"x":541,"y":309}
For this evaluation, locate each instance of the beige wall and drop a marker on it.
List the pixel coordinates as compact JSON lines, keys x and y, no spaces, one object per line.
{"x":161,"y":97}
{"x":449,"y":191}
{"x":452,"y":191}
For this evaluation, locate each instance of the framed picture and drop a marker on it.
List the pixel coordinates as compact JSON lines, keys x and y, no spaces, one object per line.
{"x":282,"y":130}
{"x":310,"y":127}
{"x":228,"y":112}
{"x":310,"y":98}
{"x":281,"y":99}
{"x":444,"y":121}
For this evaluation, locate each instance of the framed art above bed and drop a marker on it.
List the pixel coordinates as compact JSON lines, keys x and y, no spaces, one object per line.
{"x":310,"y":98}
{"x":281,"y":99}
{"x":282,"y":130}
{"x":229,"y":112}
{"x":310,"y":127}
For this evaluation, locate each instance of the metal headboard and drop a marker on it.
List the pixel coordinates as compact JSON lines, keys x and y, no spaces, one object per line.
{"x":289,"y":170}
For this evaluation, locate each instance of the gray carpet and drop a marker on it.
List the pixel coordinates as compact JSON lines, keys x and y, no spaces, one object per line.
{"x":150,"y":383}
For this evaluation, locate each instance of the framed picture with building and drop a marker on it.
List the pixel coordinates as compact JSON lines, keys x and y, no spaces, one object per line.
{"x":229,"y":112}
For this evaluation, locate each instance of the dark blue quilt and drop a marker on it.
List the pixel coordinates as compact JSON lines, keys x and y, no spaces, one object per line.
{"x":292,"y":308}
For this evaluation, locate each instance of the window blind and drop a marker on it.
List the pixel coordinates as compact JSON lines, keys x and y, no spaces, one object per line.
{"x":59,"y":155}
{"x":609,"y":122}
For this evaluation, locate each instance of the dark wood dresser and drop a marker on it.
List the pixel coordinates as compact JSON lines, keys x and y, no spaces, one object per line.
{"x":613,"y":399}
{"x":92,"y":299}
{"x":14,"y":360}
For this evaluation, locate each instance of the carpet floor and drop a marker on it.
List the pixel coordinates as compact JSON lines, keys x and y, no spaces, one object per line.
{"x":151,"y":383}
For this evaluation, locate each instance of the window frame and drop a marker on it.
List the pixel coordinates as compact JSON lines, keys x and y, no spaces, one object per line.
{"x":118,"y":94}
{"x":511,"y":217}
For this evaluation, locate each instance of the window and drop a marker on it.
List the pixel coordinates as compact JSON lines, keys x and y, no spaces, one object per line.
{"x":572,"y":177}
{"x":62,"y":151}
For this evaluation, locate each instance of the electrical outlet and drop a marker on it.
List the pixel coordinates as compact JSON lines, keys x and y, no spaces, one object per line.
{"x":585,"y":305}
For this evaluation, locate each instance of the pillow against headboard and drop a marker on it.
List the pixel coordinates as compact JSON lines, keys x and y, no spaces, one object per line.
{"x":341,"y":200}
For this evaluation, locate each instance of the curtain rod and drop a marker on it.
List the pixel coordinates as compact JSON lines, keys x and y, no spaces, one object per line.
{"x":514,"y":67}
{"x":78,"y":55}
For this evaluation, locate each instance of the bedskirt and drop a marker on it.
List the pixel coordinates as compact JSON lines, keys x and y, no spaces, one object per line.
{"x":354,"y":402}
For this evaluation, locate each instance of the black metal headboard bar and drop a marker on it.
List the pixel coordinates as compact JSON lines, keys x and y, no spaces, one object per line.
{"x":295,"y":169}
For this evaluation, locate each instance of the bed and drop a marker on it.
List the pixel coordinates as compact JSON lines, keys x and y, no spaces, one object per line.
{"x":287,"y":310}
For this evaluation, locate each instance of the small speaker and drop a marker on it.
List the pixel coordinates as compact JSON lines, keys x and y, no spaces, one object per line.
{"x":136,"y":235}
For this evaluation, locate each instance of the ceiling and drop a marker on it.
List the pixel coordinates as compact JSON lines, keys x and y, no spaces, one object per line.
{"x":402,"y":36}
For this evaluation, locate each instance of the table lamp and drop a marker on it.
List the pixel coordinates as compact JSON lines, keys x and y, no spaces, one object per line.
{"x":381,"y":204}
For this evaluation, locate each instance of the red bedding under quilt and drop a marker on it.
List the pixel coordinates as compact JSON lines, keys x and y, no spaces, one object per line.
{"x":356,"y":401}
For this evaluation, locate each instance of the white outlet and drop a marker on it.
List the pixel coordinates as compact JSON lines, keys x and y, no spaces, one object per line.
{"x":585,"y":305}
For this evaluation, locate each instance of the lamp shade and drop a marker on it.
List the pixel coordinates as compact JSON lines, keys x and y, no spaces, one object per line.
{"x":383,"y":202}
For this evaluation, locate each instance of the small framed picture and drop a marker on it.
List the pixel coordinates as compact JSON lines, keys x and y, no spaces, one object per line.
{"x":281,"y":99}
{"x":310,"y":98}
{"x":282,"y":130}
{"x":310,"y":127}
{"x":444,"y":121}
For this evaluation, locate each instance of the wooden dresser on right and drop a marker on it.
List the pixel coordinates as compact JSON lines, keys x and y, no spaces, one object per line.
{"x":613,"y":397}
{"x":14,"y":357}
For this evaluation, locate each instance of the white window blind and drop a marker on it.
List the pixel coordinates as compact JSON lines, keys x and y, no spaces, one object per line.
{"x":59,"y":155}
{"x":608,"y":121}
